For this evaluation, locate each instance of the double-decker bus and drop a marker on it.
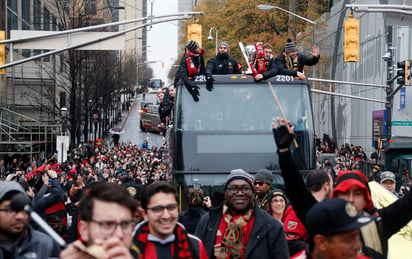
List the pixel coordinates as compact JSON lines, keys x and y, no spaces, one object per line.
{"x":230,"y":128}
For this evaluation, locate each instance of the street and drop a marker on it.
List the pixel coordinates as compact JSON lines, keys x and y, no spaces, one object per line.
{"x":131,"y":126}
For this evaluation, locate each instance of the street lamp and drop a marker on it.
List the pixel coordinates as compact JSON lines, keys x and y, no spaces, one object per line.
{"x":270,"y":7}
{"x":63,"y":112}
{"x":210,"y":37}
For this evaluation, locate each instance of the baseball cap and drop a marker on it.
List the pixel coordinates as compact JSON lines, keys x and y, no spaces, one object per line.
{"x":387,"y":175}
{"x":334,"y":216}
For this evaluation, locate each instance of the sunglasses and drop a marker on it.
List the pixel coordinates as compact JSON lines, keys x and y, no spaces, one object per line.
{"x":258,"y":183}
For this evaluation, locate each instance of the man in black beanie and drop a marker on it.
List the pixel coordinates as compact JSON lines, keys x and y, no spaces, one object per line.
{"x":192,"y":64}
{"x":291,"y":63}
{"x":238,"y":228}
{"x":263,"y":184}
{"x":221,"y":64}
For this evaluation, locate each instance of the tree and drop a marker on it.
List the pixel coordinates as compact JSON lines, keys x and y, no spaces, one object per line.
{"x":92,"y":75}
{"x":242,"y":21}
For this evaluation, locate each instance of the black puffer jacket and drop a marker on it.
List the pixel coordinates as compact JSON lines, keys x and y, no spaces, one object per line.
{"x":222,"y":64}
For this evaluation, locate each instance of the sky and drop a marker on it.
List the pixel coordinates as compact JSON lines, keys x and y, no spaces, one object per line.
{"x":162,"y":39}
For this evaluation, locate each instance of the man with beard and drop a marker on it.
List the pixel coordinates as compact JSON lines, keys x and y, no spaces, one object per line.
{"x":17,"y":238}
{"x":238,"y":228}
{"x":221,"y":64}
{"x":262,"y":184}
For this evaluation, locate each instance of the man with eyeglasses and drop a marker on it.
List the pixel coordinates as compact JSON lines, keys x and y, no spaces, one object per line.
{"x":106,"y":220}
{"x":263,"y":185}
{"x":160,"y":236}
{"x":17,"y":238}
{"x":238,"y":228}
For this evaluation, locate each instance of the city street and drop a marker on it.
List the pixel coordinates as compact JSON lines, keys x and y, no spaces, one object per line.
{"x":132,"y":132}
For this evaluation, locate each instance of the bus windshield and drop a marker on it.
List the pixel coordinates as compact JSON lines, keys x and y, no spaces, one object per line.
{"x":230,"y":127}
{"x":245,"y":108}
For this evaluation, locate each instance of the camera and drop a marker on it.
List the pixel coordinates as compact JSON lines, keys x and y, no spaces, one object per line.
{"x":205,"y":199}
{"x":387,"y":56}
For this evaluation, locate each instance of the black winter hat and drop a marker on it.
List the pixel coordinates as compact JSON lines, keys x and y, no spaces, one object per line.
{"x":290,"y":46}
{"x":264,"y":175}
{"x":192,"y":45}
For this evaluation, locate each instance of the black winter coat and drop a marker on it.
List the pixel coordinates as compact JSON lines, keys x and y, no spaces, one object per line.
{"x":302,"y":59}
{"x":267,"y":239}
{"x":222,"y":64}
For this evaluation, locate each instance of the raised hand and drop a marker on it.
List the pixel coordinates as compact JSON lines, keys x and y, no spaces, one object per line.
{"x":315,"y":51}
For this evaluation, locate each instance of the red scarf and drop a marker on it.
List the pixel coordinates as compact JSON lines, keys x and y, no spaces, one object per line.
{"x":233,"y":234}
{"x":191,"y":68}
{"x":260,"y":58}
{"x":180,"y":247}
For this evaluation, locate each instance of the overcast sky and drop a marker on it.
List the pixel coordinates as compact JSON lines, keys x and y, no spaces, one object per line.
{"x":162,"y":39}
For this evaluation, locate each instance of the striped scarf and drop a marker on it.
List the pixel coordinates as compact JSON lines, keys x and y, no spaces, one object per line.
{"x":181,"y":246}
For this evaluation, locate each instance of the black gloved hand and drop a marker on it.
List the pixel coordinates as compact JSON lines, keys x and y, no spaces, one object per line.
{"x":209,"y":83}
{"x":193,"y":90}
{"x":283,"y":138}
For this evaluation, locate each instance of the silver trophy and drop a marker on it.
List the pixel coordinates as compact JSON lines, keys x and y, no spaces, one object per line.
{"x":249,"y":54}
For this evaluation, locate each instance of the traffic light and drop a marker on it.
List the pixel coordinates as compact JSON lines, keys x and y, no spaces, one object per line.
{"x":194,"y":32}
{"x":351,"y":40}
{"x":2,"y":51}
{"x":403,"y":72}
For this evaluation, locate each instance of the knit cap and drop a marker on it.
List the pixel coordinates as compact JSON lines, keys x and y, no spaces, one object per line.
{"x":225,"y":43}
{"x":290,"y":46}
{"x":239,"y":174}
{"x":8,"y":186}
{"x":192,"y":45}
{"x":264,"y":175}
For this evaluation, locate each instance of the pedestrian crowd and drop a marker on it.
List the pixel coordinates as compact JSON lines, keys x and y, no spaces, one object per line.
{"x":117,"y":201}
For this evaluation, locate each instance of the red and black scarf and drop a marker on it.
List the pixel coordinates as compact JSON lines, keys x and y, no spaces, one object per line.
{"x":260,"y":58}
{"x":233,"y":234}
{"x":181,"y":247}
{"x":191,"y":68}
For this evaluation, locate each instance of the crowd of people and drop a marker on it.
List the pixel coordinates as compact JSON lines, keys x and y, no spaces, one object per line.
{"x":117,"y":201}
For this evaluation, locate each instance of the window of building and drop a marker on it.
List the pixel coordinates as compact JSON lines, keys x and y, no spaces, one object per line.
{"x":37,"y":15}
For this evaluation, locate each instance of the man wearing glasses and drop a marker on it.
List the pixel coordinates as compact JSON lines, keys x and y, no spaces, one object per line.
{"x":263,"y":184}
{"x":160,"y":236}
{"x":106,"y":220}
{"x":17,"y":238}
{"x":238,"y":228}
